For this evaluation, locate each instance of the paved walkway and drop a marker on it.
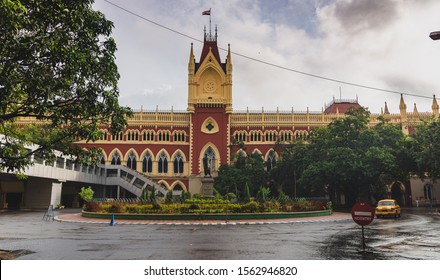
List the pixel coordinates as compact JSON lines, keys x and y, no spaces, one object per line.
{"x":77,"y":218}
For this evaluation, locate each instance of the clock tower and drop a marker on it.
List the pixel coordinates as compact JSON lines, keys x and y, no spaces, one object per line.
{"x":210,"y":106}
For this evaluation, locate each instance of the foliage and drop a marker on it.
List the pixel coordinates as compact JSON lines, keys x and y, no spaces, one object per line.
{"x":426,"y":149}
{"x":144,"y":194}
{"x":86,"y":194}
{"x":94,"y":206}
{"x":247,"y":193}
{"x":250,"y":207}
{"x":184,"y":196}
{"x":263,"y":194}
{"x":346,"y":157}
{"x":117,"y":207}
{"x":169,"y":196}
{"x":230,"y":196}
{"x":157,"y":207}
{"x":329,"y":205}
{"x":57,"y":66}
{"x":196,"y":205}
{"x":282,"y":197}
{"x":288,"y":170}
{"x":248,"y":172}
{"x":153,"y":196}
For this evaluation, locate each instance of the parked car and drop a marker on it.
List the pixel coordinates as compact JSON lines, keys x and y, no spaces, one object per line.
{"x":387,"y":208}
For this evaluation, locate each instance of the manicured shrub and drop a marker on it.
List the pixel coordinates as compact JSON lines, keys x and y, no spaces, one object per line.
{"x":133,"y":208}
{"x":117,"y":207}
{"x":156,"y":207}
{"x":198,"y":205}
{"x":194,"y":206}
{"x":250,"y":207}
{"x":169,"y":197}
{"x":92,"y":206}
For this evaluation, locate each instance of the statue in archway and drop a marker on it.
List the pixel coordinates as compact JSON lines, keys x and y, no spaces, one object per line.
{"x":206,"y":168}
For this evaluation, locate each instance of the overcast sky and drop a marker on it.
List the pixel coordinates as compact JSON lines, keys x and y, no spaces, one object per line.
{"x":377,"y":43}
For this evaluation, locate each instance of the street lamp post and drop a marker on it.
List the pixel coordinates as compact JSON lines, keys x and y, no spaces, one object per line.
{"x":435,"y":35}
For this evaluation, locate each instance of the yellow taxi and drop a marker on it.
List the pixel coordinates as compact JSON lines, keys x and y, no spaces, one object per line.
{"x":387,"y":207}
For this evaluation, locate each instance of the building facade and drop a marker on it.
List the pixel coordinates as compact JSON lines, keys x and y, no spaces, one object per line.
{"x":171,"y":146}
{"x":177,"y":149}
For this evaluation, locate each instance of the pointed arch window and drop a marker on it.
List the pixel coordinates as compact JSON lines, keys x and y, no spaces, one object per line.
{"x":131,"y":161}
{"x":147,"y":163}
{"x":116,"y":159}
{"x":178,"y":163}
{"x":271,"y":160}
{"x":163,"y":163}
{"x":178,"y":187}
{"x":101,"y":159}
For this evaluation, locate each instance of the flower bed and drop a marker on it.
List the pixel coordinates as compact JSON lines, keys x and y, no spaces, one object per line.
{"x":205,"y":206}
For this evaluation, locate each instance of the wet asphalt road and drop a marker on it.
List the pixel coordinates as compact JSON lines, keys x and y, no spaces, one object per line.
{"x":414,"y":236}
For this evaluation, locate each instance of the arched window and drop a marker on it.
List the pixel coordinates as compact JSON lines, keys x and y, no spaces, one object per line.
{"x":131,"y":161}
{"x":116,"y":159}
{"x":285,"y":136}
{"x":118,"y":136}
{"x":147,"y":163}
{"x":104,"y":135}
{"x":178,"y":163}
{"x":163,"y":163}
{"x":179,"y":136}
{"x":148,"y":136}
{"x":177,"y":187}
{"x":271,"y":160}
{"x":240,"y":136}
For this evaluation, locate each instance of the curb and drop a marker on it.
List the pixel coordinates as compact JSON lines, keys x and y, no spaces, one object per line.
{"x":79,"y":219}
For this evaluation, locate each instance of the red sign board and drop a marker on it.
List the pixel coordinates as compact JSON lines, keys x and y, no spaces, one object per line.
{"x":362,"y":213}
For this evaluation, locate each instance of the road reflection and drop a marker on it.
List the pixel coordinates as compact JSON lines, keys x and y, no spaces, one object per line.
{"x":414,"y":236}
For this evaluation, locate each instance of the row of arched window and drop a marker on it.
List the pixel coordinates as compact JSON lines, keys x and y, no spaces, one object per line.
{"x":145,"y":135}
{"x":269,"y":136}
{"x":147,"y":162}
{"x":161,"y":162}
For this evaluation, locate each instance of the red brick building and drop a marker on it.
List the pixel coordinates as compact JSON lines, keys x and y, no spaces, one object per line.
{"x":171,"y":146}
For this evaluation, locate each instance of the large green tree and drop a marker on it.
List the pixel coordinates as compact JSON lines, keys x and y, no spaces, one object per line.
{"x":426,"y":149}
{"x":284,"y":176}
{"x":57,"y":67}
{"x":247,"y":170}
{"x":346,"y":157}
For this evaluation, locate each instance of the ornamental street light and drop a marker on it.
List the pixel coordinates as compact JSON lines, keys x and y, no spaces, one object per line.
{"x":435,"y":35}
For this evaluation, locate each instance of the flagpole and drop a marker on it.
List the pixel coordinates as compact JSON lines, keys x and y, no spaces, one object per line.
{"x":210,"y":36}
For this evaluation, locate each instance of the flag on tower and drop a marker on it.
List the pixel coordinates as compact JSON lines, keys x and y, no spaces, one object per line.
{"x":206,"y":13}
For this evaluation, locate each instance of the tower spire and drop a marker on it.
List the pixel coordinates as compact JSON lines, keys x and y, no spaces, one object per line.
{"x":435,"y":107}
{"x":386,"y":111}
